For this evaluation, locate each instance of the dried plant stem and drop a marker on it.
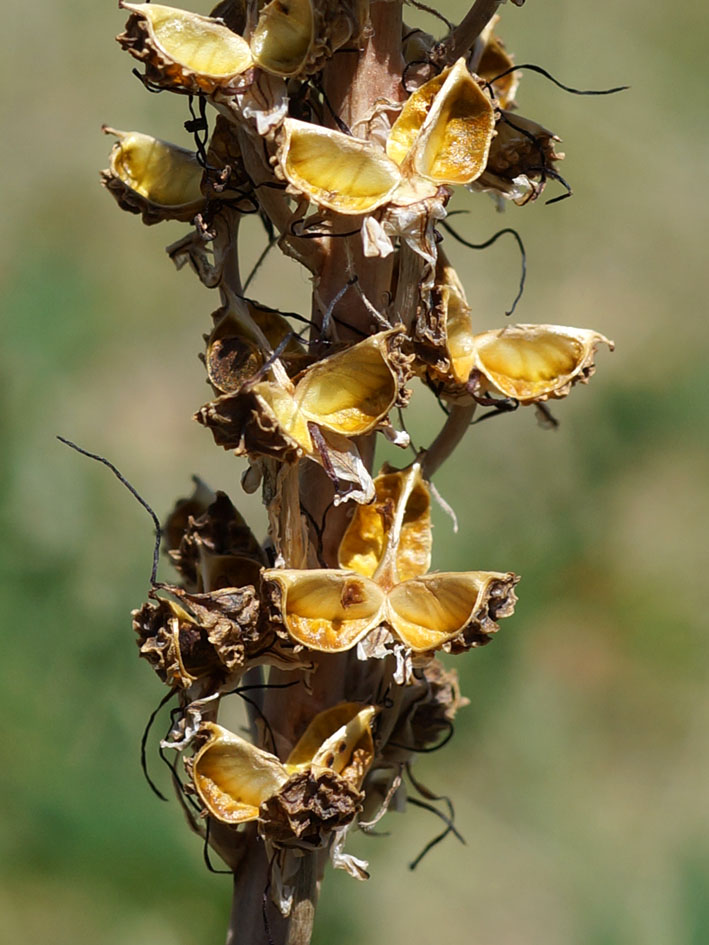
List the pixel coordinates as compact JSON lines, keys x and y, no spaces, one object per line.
{"x":354,"y":83}
{"x":452,"y":432}
{"x":463,"y":36}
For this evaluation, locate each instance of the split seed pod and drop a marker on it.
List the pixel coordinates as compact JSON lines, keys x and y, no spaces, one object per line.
{"x":152,"y":177}
{"x":431,"y":611}
{"x":183,"y":50}
{"x":324,"y":609}
{"x":283,"y":36}
{"x":533,"y":363}
{"x":444,"y":131}
{"x":389,"y":540}
{"x":335,"y":170}
{"x":494,"y":60}
{"x":233,"y":778}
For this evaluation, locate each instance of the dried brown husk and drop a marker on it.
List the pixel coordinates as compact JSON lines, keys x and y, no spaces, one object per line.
{"x":308,"y":808}
{"x":390,"y":539}
{"x":204,"y":635}
{"x":157,"y":179}
{"x":217,"y":549}
{"x":232,"y":777}
{"x":177,"y":522}
{"x":335,"y":170}
{"x":431,"y":611}
{"x":520,"y":153}
{"x":327,"y":610}
{"x":183,"y":50}
{"x":533,"y":363}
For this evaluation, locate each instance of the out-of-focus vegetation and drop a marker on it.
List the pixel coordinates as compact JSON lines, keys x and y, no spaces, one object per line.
{"x":579,"y":771}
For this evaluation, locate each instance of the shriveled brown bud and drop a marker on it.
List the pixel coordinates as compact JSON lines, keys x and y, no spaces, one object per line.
{"x":308,"y":808}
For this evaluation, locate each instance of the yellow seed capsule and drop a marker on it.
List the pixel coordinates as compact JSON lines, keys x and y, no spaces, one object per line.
{"x":494,"y":60}
{"x":183,"y":49}
{"x":325,"y":609}
{"x":429,"y":611}
{"x":339,"y":739}
{"x":152,"y":177}
{"x":233,"y":777}
{"x":283,"y":36}
{"x":393,"y":533}
{"x":445,"y":128}
{"x":533,"y":363}
{"x":336,"y":170}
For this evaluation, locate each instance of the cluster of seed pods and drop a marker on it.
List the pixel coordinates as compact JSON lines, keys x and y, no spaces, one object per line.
{"x":339,"y":602}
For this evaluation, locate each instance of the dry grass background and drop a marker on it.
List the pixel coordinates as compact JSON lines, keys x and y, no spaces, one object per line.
{"x":580,"y":770}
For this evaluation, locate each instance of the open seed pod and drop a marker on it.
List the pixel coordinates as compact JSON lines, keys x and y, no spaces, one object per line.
{"x":444,"y":131}
{"x":338,"y":739}
{"x":183,"y":50}
{"x":430,"y":611}
{"x":235,"y":351}
{"x":335,"y":170}
{"x":296,"y":38}
{"x":283,"y":36}
{"x":324,"y":609}
{"x":533,"y":363}
{"x":232,"y":777}
{"x":347,"y":394}
{"x":389,"y":540}
{"x":152,"y":177}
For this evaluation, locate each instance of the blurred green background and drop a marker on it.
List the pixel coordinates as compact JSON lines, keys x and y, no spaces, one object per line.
{"x":579,"y":771}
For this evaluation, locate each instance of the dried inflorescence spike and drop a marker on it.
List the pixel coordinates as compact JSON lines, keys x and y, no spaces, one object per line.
{"x":533,"y":363}
{"x":183,"y":50}
{"x":157,"y":179}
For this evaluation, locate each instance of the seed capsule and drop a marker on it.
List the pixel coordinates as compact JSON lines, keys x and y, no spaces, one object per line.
{"x":184,"y":50}
{"x":533,"y":363}
{"x":153,"y":177}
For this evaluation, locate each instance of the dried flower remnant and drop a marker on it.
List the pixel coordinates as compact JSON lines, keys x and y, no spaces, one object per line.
{"x":346,"y":132}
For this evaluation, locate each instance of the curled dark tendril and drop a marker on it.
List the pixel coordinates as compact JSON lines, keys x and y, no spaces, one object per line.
{"x":198,"y":127}
{"x":517,"y":238}
{"x":144,"y":742}
{"x":449,"y":734}
{"x":566,"y":88}
{"x":136,"y":495}
{"x":205,"y":853}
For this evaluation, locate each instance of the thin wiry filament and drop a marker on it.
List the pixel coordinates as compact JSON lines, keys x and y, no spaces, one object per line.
{"x":517,"y":238}
{"x":136,"y":495}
